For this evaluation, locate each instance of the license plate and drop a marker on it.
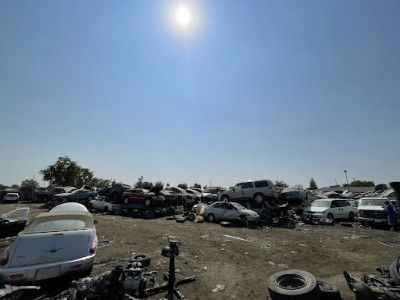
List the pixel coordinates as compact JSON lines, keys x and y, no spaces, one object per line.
{"x":379,"y":221}
{"x":47,"y":273}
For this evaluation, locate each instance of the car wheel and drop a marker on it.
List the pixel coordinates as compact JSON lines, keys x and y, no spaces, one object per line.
{"x":243,"y":221}
{"x":147,"y":202}
{"x":106,"y":209}
{"x":259,"y":198}
{"x":328,"y":291}
{"x":126,"y":200}
{"x":211,"y":218}
{"x":394,"y":271}
{"x":293,"y":284}
{"x":144,"y":259}
{"x":351,"y":216}
{"x":90,"y":198}
{"x":330,"y":217}
{"x":225,"y":198}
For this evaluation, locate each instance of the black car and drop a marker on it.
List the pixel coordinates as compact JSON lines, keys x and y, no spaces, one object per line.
{"x":115,"y":191}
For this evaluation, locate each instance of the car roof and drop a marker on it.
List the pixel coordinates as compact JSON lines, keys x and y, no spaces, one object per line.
{"x":70,"y":207}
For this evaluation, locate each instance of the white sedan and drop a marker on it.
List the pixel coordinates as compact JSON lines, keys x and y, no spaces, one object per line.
{"x":330,"y":209}
{"x":229,"y":211}
{"x":102,"y":204}
{"x":60,"y":242}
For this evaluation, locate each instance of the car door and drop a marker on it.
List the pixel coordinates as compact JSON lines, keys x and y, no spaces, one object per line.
{"x":231,"y":213}
{"x":237,"y":191}
{"x":219,"y":211}
{"x":335,"y":209}
{"x":346,"y":208}
{"x":248,"y":190}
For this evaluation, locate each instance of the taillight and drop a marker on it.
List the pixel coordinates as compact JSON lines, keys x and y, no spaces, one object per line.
{"x":94,"y":245}
{"x":4,"y":258}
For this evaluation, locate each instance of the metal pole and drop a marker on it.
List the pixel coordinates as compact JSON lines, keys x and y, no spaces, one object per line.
{"x":345,"y":172}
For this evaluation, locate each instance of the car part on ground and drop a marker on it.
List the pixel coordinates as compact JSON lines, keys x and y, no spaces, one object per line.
{"x":293,"y":284}
{"x":375,"y":287}
{"x":13,"y":222}
{"x":132,"y":282}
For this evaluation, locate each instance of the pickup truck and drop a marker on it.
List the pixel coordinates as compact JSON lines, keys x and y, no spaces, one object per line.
{"x":371,"y":210}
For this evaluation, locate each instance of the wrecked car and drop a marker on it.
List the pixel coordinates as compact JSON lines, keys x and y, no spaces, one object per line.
{"x":259,"y":191}
{"x":229,"y":211}
{"x":330,"y":209}
{"x":142,"y":196}
{"x":11,"y":197}
{"x":295,"y":198}
{"x":79,"y":195}
{"x":13,"y":222}
{"x":114,"y":191}
{"x":371,"y":210}
{"x":102,"y":203}
{"x":60,"y":242}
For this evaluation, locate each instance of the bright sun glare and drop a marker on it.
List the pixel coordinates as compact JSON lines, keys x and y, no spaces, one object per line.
{"x":183,"y":16}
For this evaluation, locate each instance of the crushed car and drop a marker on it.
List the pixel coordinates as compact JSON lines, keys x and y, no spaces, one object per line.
{"x":229,"y":211}
{"x":60,"y":242}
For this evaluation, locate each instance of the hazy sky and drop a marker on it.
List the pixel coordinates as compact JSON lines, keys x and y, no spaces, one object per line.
{"x":282,"y":90}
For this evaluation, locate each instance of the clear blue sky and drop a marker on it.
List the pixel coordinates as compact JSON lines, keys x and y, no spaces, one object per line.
{"x":283,"y":90}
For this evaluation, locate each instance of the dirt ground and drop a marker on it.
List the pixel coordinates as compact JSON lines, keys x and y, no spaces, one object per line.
{"x":235,"y":263}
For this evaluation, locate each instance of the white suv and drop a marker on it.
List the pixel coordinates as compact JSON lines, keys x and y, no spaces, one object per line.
{"x":257,"y":190}
{"x":330,"y":209}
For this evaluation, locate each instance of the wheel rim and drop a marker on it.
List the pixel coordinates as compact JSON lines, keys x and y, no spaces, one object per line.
{"x":126,"y":200}
{"x":211,"y":218}
{"x":330,"y":217}
{"x":147,"y":202}
{"x":258,"y":198}
{"x":292,"y":282}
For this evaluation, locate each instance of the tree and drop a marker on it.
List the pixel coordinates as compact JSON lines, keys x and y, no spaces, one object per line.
{"x":361,"y":183}
{"x":66,"y":172}
{"x":139,"y":183}
{"x":147,"y":185}
{"x":313,"y":184}
{"x":196,"y":185}
{"x":183,"y":186}
{"x":28,"y":185}
{"x":281,"y":184}
{"x":15,"y":186}
{"x":159,"y":185}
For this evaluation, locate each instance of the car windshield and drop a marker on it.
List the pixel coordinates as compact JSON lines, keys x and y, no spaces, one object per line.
{"x":211,"y":191}
{"x":321,"y":203}
{"x":371,"y":202}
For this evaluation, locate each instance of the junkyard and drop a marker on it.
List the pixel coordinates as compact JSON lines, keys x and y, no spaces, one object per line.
{"x":236,"y":262}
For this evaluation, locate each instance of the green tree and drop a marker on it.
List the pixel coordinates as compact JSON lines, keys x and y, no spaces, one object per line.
{"x":361,"y":183}
{"x":66,"y":172}
{"x":313,"y":184}
{"x":196,"y":185}
{"x":15,"y":186}
{"x":28,"y":185}
{"x":281,"y":184}
{"x":183,"y":186}
{"x":159,"y":185}
{"x":147,"y":185}
{"x":139,"y":183}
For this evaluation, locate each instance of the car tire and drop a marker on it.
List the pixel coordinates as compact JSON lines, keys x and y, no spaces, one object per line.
{"x":293,"y":284}
{"x":126,"y":200}
{"x":258,"y":198}
{"x":351,"y":216}
{"x":328,"y":291}
{"x":211,"y":218}
{"x":225,"y":198}
{"x":90,"y":198}
{"x":330,"y":217}
{"x":243,"y":221}
{"x":106,"y":209}
{"x":144,"y":259}
{"x":394,"y":271}
{"x":147,"y":202}
{"x":191,"y":217}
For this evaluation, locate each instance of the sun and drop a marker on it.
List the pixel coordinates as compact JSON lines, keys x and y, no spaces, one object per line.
{"x":183,"y":16}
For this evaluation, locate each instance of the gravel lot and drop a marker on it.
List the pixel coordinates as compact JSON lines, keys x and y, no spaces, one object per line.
{"x":235,"y":263}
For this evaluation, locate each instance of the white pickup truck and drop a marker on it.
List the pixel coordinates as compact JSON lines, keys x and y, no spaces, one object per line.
{"x":371,"y":210}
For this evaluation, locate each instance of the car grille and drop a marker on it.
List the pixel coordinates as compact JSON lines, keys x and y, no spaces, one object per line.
{"x":374,"y":214}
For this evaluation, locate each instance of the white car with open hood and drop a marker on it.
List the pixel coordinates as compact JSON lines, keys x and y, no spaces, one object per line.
{"x":60,"y":242}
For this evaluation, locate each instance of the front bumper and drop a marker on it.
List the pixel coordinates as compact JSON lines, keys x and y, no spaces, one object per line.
{"x":372,"y":220}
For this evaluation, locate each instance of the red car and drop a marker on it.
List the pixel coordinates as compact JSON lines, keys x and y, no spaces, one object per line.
{"x":142,"y":196}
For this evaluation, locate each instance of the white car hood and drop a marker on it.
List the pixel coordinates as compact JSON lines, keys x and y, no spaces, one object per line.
{"x":370,"y":207}
{"x":315,"y":208}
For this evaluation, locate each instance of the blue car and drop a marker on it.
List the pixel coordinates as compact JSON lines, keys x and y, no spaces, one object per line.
{"x":79,"y":195}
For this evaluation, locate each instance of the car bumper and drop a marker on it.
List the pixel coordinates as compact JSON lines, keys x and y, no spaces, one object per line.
{"x":315,"y":215}
{"x":45,"y":271}
{"x":371,"y":220}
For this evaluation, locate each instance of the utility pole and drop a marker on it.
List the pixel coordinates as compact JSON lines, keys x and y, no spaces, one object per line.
{"x":345,"y":172}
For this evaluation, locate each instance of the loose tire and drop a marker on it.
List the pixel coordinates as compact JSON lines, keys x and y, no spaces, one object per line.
{"x":211,"y":218}
{"x":293,"y":284}
{"x":126,"y":200}
{"x":351,"y":216}
{"x":144,"y":259}
{"x":259,"y":198}
{"x":147,"y":202}
{"x":328,"y":291}
{"x":394,"y":271}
